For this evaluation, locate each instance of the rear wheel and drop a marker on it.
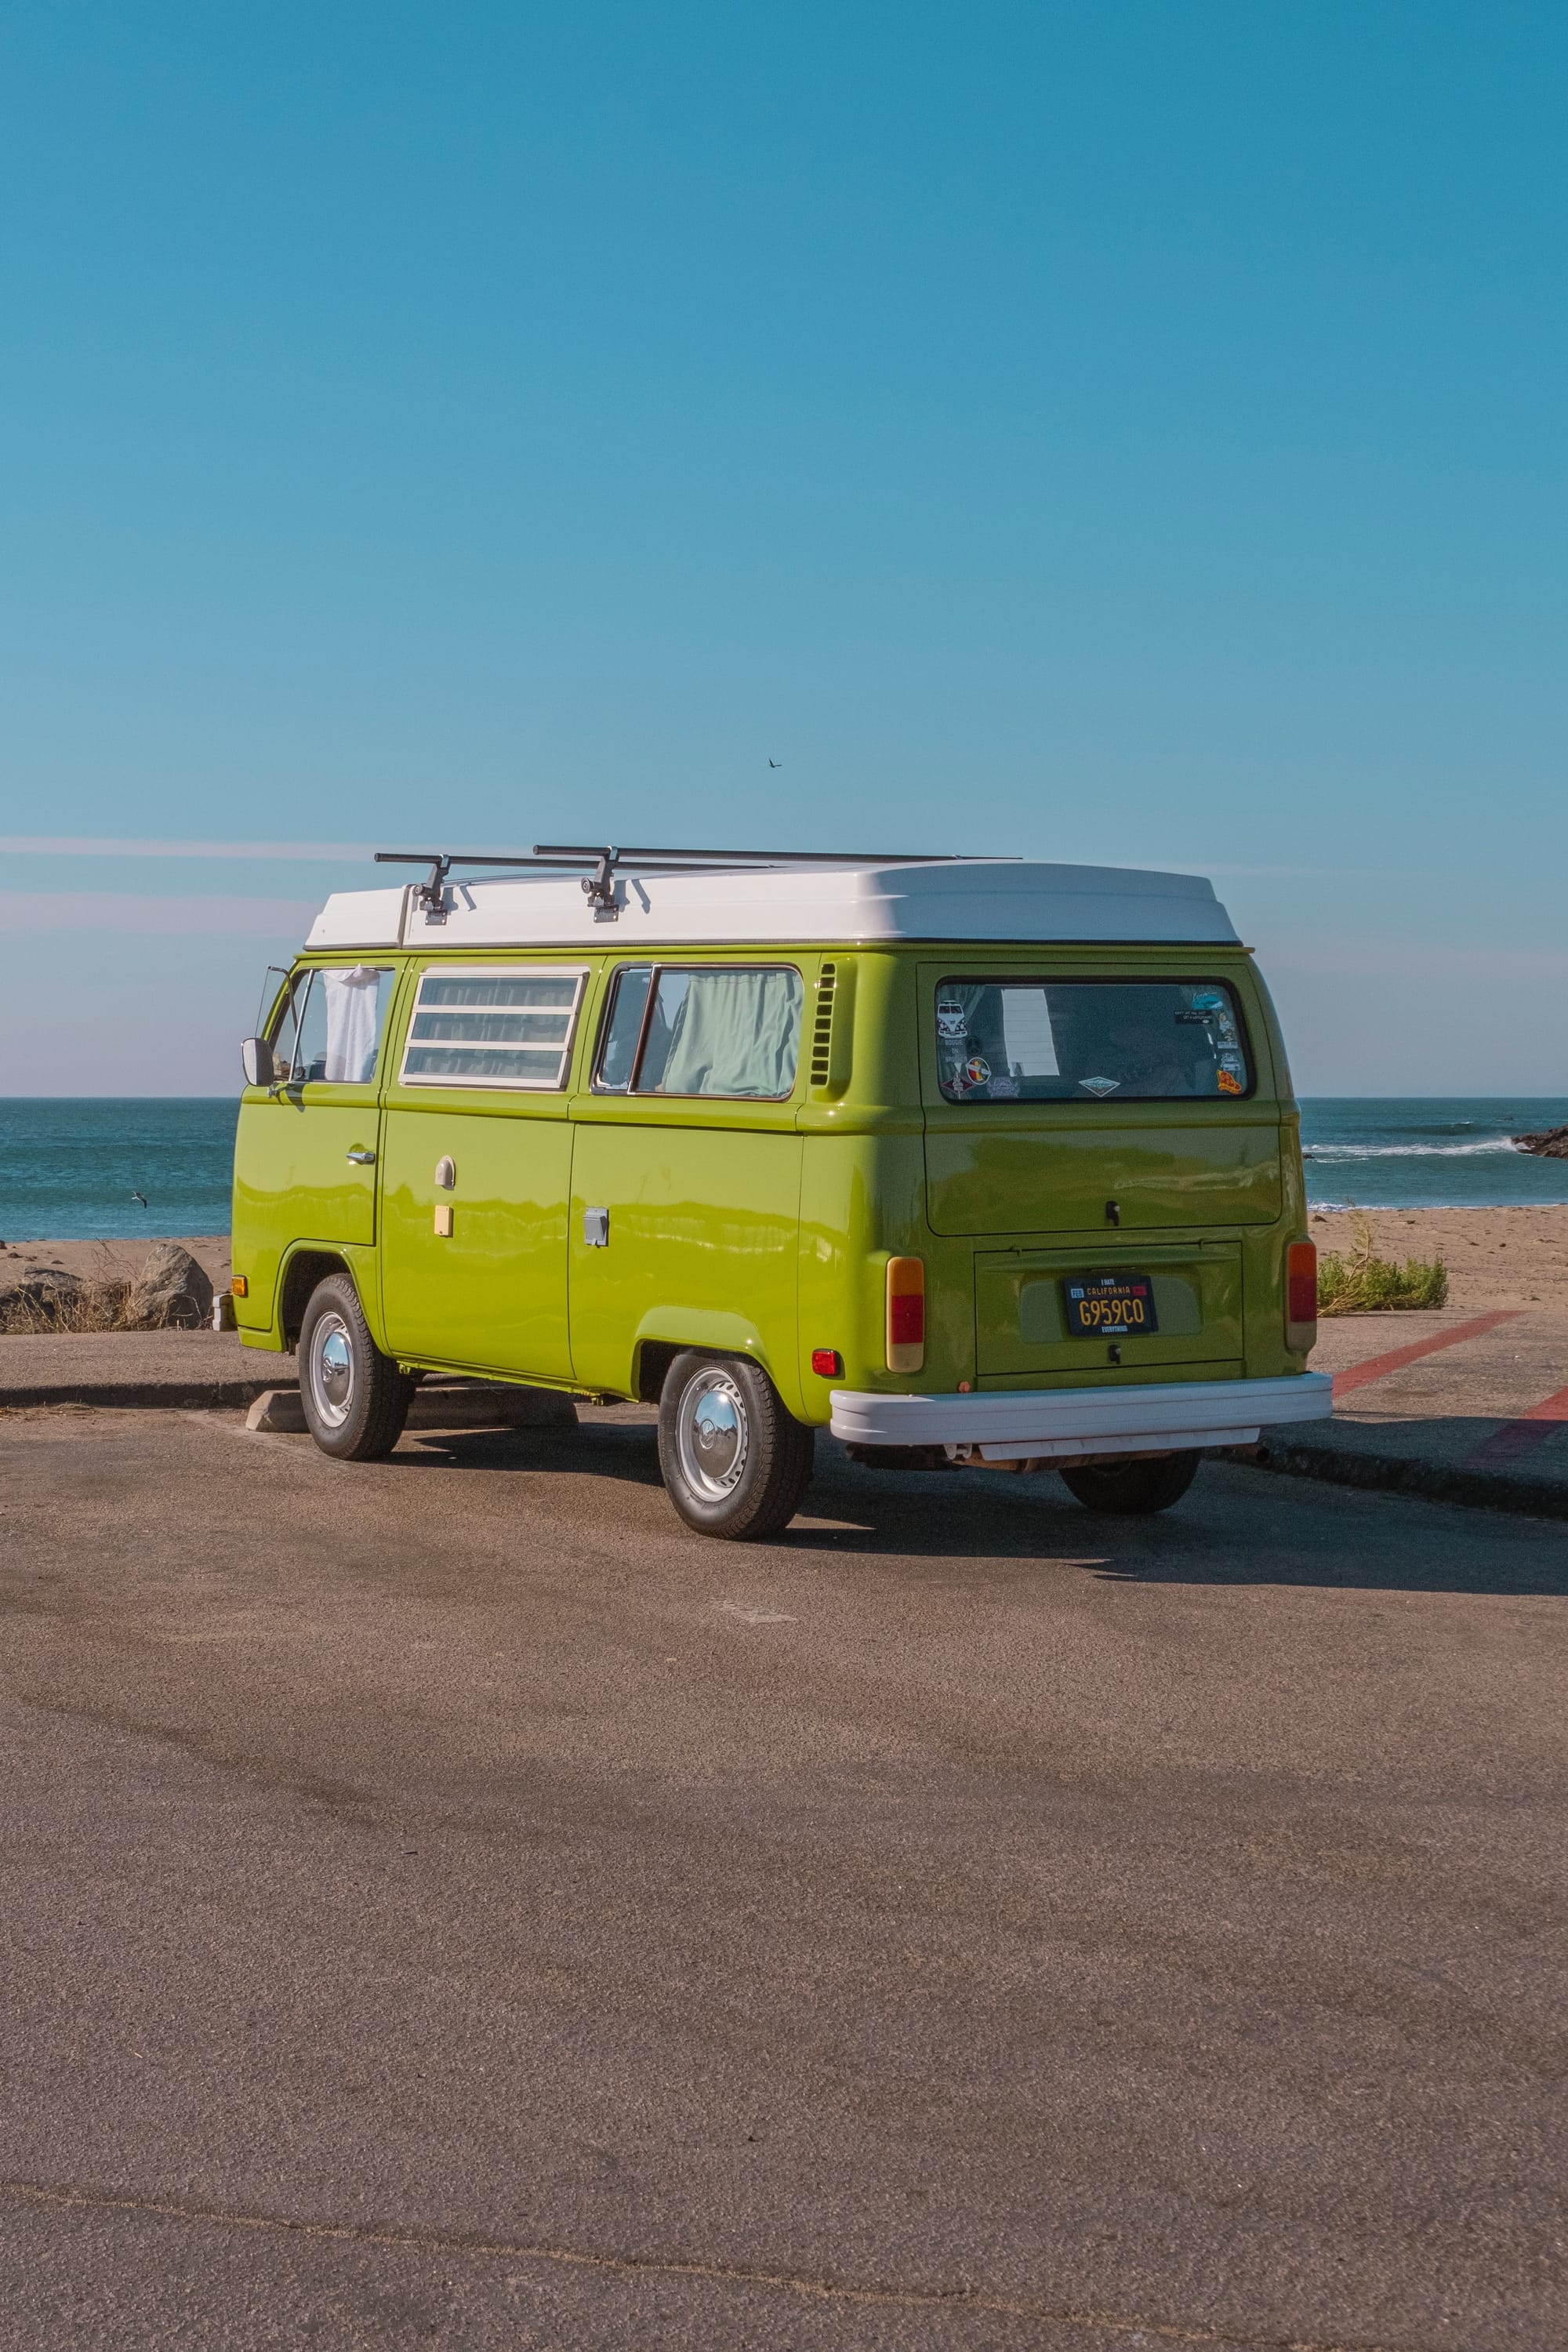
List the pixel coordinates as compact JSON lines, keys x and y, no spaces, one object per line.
{"x":1134,"y":1489}
{"x":734,"y":1462}
{"x":355,"y":1399}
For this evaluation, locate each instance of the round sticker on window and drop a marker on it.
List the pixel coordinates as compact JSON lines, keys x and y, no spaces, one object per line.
{"x":977,"y":1071}
{"x":951,"y":1021}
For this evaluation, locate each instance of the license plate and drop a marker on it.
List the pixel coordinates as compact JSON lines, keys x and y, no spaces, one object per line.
{"x":1110,"y":1305}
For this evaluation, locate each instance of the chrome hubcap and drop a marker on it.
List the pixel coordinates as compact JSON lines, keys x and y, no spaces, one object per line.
{"x":714,"y":1435}
{"x":332,"y":1371}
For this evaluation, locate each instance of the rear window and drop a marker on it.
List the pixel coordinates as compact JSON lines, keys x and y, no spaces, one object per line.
{"x":1089,"y":1041}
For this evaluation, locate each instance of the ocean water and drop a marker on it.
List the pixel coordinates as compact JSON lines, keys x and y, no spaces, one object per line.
{"x":70,"y":1171}
{"x":1429,"y":1152}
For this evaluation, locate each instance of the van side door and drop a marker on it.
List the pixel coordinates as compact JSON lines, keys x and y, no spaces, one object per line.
{"x":477,"y":1164}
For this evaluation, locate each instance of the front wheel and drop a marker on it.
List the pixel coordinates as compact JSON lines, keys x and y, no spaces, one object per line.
{"x":734,"y":1462}
{"x":1134,"y":1489}
{"x":355,"y":1399}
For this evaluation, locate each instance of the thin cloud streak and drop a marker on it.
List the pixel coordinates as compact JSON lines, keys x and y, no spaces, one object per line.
{"x":302,"y":853}
{"x":125,"y":910}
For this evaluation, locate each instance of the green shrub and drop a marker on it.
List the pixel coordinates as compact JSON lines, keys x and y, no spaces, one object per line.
{"x":1357,"y":1282}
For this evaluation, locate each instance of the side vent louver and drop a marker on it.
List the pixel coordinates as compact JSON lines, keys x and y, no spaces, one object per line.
{"x":822,"y":1028}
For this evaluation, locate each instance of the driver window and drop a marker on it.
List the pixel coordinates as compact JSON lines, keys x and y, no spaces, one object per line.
{"x":287,"y":1057}
{"x":329,"y":1029}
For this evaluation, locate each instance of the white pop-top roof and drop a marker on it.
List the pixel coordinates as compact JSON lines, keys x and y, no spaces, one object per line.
{"x":848,"y":905}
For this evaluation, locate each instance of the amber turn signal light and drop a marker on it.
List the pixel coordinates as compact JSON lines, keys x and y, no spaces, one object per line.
{"x":1301,"y":1296}
{"x":240,"y":1286}
{"x":905,"y":1313}
{"x":826,"y":1363}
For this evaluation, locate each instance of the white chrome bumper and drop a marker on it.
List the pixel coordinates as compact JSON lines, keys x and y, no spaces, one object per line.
{"x":1055,"y":1424}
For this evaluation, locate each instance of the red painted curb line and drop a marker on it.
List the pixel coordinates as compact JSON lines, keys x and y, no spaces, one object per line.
{"x":1521,"y":1436}
{"x":1356,"y":1376}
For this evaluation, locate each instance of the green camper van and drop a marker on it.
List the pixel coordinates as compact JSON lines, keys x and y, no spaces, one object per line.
{"x":972,"y":1161}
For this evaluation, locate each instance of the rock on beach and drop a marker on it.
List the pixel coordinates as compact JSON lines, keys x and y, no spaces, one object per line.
{"x":1551,"y":1143}
{"x":173,"y":1288}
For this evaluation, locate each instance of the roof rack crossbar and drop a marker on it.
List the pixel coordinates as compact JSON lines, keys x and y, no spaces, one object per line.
{"x":599,"y":886}
{"x":757,"y":856}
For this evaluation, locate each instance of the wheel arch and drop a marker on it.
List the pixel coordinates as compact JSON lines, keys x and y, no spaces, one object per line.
{"x":667,"y":1332}
{"x":307,"y":1266}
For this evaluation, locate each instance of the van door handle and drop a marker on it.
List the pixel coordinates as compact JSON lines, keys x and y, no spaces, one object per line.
{"x":362,"y":1159}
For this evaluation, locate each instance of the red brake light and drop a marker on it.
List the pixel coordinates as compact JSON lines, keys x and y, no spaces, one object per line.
{"x":826,"y":1363}
{"x":1302,"y":1285}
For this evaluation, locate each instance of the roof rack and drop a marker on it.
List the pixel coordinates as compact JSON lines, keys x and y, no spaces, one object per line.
{"x":599,"y":886}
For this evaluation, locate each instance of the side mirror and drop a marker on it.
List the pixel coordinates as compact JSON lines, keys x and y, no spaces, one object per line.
{"x":256,"y":1060}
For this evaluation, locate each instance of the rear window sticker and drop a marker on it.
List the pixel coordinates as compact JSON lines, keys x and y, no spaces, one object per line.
{"x":1209,"y":1002}
{"x":1228,"y":1082}
{"x":977,"y":1070}
{"x":1099,"y":1085}
{"x":952,"y":1021}
{"x":1003,"y":1088}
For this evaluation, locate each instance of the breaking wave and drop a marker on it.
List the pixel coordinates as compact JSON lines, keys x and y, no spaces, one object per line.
{"x":1325,"y":1152}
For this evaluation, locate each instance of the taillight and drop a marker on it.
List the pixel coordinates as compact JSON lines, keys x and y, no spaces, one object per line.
{"x":905,"y":1313}
{"x":1301,"y":1296}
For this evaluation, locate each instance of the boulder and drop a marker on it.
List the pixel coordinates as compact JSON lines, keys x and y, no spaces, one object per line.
{"x":173,"y":1288}
{"x":1551,"y":1143}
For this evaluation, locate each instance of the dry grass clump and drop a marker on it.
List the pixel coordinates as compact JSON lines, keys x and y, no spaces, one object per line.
{"x":54,"y":1301}
{"x":1355,"y":1282}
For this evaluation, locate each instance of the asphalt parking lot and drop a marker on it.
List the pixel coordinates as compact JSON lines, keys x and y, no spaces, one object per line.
{"x":443,"y":1903}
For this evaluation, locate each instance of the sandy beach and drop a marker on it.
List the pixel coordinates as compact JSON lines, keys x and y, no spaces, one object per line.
{"x":1496,"y":1257}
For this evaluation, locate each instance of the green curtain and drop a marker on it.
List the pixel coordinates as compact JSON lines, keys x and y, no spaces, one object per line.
{"x":736,"y":1033}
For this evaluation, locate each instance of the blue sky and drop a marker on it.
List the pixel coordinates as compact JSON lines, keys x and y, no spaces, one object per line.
{"x":1129,"y":434}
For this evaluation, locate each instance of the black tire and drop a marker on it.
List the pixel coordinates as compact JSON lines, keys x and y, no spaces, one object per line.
{"x":355,"y":1399}
{"x":734,"y":1462}
{"x":1134,"y":1489}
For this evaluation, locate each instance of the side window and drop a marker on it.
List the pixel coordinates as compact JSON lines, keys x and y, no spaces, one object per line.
{"x":623,"y":1029}
{"x":330,"y":1027}
{"x":731,"y":1032}
{"x":505,"y":1027}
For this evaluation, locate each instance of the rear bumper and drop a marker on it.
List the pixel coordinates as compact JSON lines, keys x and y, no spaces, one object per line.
{"x":1059,"y":1425}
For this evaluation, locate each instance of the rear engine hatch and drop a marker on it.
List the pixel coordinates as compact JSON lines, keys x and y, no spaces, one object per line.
{"x":1044,"y":1171}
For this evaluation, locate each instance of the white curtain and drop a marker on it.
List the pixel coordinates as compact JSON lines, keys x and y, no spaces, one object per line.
{"x":353,"y":1030}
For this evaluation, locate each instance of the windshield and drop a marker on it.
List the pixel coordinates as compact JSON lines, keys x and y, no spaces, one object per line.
{"x":1089,"y":1041}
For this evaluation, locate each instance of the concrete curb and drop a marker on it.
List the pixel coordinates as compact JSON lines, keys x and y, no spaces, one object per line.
{"x":1478,"y":1490}
{"x":170,"y":1396}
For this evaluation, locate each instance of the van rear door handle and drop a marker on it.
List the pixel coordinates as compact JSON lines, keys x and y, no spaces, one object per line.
{"x":362,"y":1159}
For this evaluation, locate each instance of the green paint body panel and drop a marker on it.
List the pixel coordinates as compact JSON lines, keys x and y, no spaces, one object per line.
{"x":764,"y":1228}
{"x":294,"y":1183}
{"x":494,"y":1293}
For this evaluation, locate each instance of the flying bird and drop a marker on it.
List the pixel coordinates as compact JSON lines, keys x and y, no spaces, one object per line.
{"x":775,"y":763}
{"x":138,"y":1196}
